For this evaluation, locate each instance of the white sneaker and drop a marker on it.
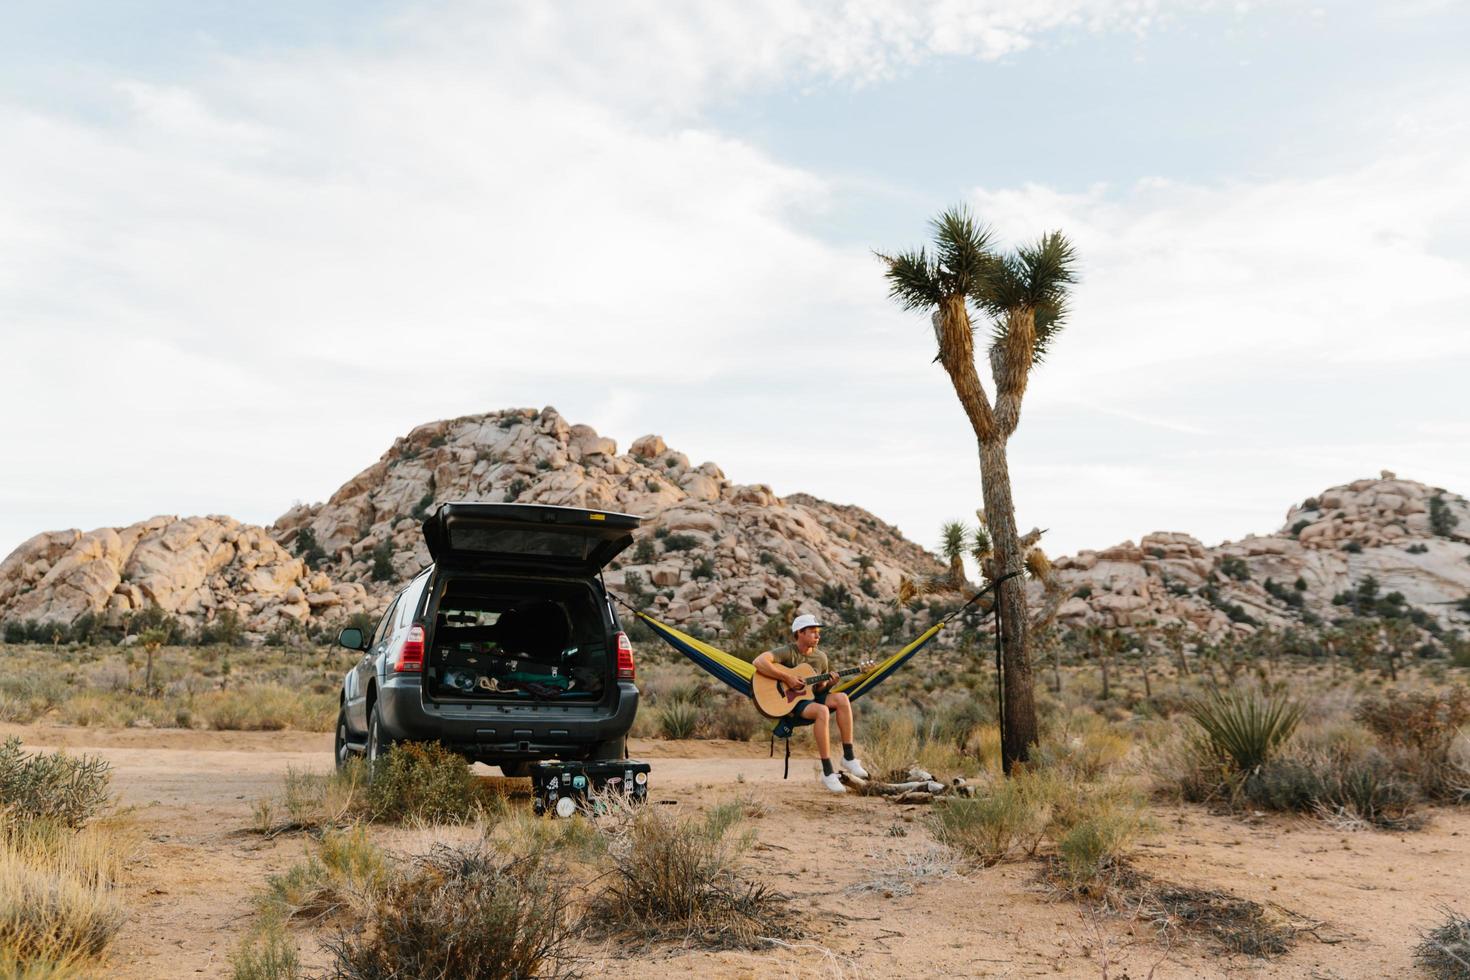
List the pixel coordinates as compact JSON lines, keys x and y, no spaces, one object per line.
{"x":855,"y":766}
{"x":833,"y":783}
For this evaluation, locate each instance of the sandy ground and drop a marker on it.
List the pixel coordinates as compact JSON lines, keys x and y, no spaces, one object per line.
{"x":1372,"y":892}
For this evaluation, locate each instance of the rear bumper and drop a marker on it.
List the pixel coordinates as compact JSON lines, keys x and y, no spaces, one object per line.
{"x":510,"y":733}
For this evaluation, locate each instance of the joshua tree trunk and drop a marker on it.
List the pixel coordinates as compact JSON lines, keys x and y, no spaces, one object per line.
{"x":1000,"y":515}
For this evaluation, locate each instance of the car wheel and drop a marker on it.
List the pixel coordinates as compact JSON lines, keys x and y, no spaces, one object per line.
{"x":604,"y":751}
{"x":378,"y":743}
{"x":341,"y":749}
{"x":515,"y":769}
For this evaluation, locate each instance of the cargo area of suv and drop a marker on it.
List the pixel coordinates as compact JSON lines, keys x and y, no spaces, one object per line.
{"x":506,"y":648}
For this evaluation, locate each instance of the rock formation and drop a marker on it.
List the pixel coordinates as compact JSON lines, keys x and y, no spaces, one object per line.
{"x":708,"y":547}
{"x":192,"y":568}
{"x":1330,"y":544}
{"x":712,"y":550}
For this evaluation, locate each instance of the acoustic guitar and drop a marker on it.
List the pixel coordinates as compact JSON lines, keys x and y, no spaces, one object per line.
{"x":775,"y":700}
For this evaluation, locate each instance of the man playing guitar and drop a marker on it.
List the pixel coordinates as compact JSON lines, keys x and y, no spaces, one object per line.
{"x":822,"y":702}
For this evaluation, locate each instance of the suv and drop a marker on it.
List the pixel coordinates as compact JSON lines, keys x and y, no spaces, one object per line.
{"x":505,"y":649}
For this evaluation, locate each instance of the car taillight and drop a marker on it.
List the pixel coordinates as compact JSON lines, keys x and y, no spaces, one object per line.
{"x":626,"y":669}
{"x":411,"y":657}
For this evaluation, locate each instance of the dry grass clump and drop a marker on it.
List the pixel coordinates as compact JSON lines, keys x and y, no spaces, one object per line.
{"x":1090,"y":826}
{"x":463,"y":912}
{"x":676,"y":877}
{"x":268,"y":708}
{"x":1444,"y":950}
{"x":58,"y":908}
{"x":415,"y":782}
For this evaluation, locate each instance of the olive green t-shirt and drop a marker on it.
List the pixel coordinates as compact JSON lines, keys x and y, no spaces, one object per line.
{"x":788,"y":656}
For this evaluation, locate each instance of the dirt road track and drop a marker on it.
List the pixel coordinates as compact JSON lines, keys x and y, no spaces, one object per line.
{"x":198,"y":866}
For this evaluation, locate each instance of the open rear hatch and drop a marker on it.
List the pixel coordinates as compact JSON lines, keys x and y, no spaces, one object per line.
{"x":527,"y":537}
{"x":516,"y":616}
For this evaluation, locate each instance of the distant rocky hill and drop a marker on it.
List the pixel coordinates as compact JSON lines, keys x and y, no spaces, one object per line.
{"x":1408,"y":538}
{"x":711,"y":550}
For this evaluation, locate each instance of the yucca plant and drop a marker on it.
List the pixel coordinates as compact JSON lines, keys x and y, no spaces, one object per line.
{"x":1246,"y":727}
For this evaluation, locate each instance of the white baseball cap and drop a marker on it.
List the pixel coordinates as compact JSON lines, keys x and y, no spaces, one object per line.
{"x":803,"y":621}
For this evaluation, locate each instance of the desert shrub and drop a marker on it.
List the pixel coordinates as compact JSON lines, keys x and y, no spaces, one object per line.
{"x":51,"y":786}
{"x":423,"y":781}
{"x":1444,"y":949}
{"x":347,"y":871}
{"x":314,"y":801}
{"x":734,"y":718}
{"x":676,"y":876}
{"x":1368,"y":790}
{"x":1009,"y":816}
{"x":382,"y":555}
{"x":1284,"y":784}
{"x":1246,"y":727}
{"x":680,"y":542}
{"x":704,"y":568}
{"x":678,"y":719}
{"x":462,"y":912}
{"x":1420,"y":727}
{"x":1093,"y":828}
{"x":1441,"y":521}
{"x":268,"y":955}
{"x":643,"y":552}
{"x":269,"y":708}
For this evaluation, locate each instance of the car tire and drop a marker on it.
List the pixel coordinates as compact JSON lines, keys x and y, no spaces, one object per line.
{"x":515,"y":770}
{"x":341,"y":747}
{"x":613,"y":748}
{"x":378,"y":743}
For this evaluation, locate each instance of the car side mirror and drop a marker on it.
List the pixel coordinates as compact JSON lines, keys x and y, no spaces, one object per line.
{"x":351,"y":638}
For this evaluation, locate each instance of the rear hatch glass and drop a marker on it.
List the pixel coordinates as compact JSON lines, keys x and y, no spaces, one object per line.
{"x":531,"y":536}
{"x":518,"y":639}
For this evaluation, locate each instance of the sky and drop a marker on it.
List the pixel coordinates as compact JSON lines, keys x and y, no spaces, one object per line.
{"x":244,"y":247}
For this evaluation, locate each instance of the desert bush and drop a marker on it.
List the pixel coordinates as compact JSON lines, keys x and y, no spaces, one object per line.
{"x":1368,"y":790}
{"x":269,"y":708}
{"x":1093,"y":828}
{"x":735,"y":718}
{"x":269,"y":954}
{"x":314,"y":801}
{"x":1420,"y":729}
{"x":517,"y":832}
{"x":348,"y":871}
{"x":678,"y":719}
{"x":1246,"y":727}
{"x":51,"y":786}
{"x":423,"y":781}
{"x":1444,"y":949}
{"x":462,"y":912}
{"x":676,"y":876}
{"x":1009,"y":816}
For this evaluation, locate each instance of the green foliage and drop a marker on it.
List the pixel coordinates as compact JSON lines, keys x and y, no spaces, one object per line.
{"x":421,"y":509}
{"x":225,"y":629}
{"x":1010,"y":815}
{"x":270,"y":956}
{"x":1291,"y":597}
{"x":703,"y":568}
{"x":51,"y":786}
{"x":464,"y":912}
{"x":953,"y":539}
{"x":423,"y":781}
{"x":1299,"y":527}
{"x":308,"y":549}
{"x":1235,"y":567}
{"x":382,"y":555}
{"x":1246,"y":727}
{"x":643,"y":552}
{"x":517,"y":487}
{"x":678,"y":719}
{"x":680,"y":542}
{"x":1441,"y":521}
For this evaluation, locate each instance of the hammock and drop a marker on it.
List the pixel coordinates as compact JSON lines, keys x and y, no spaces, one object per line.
{"x":737,"y":673}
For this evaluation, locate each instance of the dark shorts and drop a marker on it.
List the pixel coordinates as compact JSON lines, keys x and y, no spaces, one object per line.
{"x":821,"y":698}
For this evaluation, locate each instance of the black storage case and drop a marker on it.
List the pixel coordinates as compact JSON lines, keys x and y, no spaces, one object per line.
{"x":562,"y":788}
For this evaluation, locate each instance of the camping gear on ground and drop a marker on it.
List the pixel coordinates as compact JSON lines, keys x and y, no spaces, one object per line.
{"x":563,"y":788}
{"x":774,"y":699}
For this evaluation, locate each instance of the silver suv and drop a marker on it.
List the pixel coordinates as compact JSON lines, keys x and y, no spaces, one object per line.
{"x":505,"y":649}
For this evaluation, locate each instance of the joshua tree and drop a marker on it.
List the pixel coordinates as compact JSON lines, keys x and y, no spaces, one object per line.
{"x":1023,"y":294}
{"x":953,"y":541}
